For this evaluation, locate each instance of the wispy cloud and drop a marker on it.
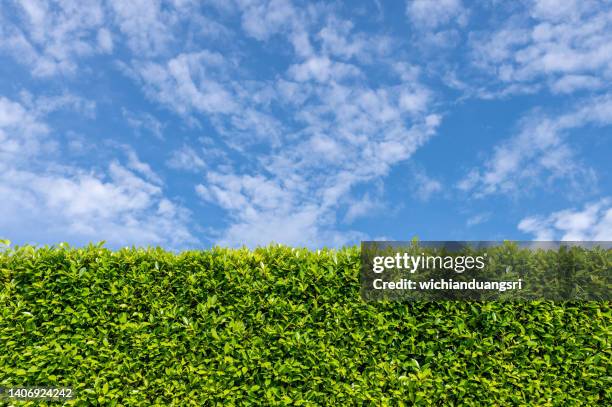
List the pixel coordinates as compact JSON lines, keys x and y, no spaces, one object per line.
{"x":52,"y":36}
{"x":478,"y":219}
{"x":42,"y":105}
{"x":436,"y":24}
{"x":540,"y":151}
{"x":144,"y":121}
{"x":186,"y":158}
{"x":22,"y":135}
{"x":361,"y":207}
{"x":433,"y":14}
{"x":147,"y":25}
{"x":425,"y":187}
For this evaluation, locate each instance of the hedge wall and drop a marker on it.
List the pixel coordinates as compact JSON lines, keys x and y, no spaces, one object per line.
{"x":280,"y":326}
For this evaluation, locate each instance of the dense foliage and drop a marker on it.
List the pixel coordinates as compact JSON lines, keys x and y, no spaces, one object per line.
{"x":548,"y":272}
{"x":280,"y":326}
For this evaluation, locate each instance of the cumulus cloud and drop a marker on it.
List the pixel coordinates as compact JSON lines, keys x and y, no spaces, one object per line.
{"x":54,"y":37}
{"x":188,"y":82}
{"x":51,"y":37}
{"x":22,"y":135}
{"x":566,"y":44}
{"x":123,"y":204}
{"x":77,"y":206}
{"x":591,"y":223}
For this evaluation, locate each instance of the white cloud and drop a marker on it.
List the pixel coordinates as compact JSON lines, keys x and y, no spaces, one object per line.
{"x":80,"y":207}
{"x":201,"y":84}
{"x":339,"y":40}
{"x":146,"y":24}
{"x":261,"y":19}
{"x":22,"y":136}
{"x":185,"y":158}
{"x":152,"y":28}
{"x":105,"y":40}
{"x":415,"y":100}
{"x":478,"y":219}
{"x":50,"y":37}
{"x":266,"y":211}
{"x":360,"y":207}
{"x":322,"y":69}
{"x":436,"y":25}
{"x":572,"y":83}
{"x":567,"y":44}
{"x":135,"y":164}
{"x":189,"y":81}
{"x":248,"y":125}
{"x":45,"y":104}
{"x":144,"y":121}
{"x":592,"y":223}
{"x":553,"y":10}
{"x":53,"y":37}
{"x":248,"y":193}
{"x":47,"y":202}
{"x":434,"y":13}
{"x":425,"y":186}
{"x":539,"y":152}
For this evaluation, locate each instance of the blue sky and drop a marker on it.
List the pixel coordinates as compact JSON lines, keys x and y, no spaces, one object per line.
{"x":189,"y":124}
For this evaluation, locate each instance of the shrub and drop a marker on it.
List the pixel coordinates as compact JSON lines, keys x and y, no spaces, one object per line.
{"x":279,"y":326}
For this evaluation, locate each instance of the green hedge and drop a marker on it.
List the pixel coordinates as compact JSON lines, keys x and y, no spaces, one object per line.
{"x":280,"y":326}
{"x":548,"y":272}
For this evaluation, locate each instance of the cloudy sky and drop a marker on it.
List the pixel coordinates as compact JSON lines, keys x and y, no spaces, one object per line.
{"x":193,"y":123}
